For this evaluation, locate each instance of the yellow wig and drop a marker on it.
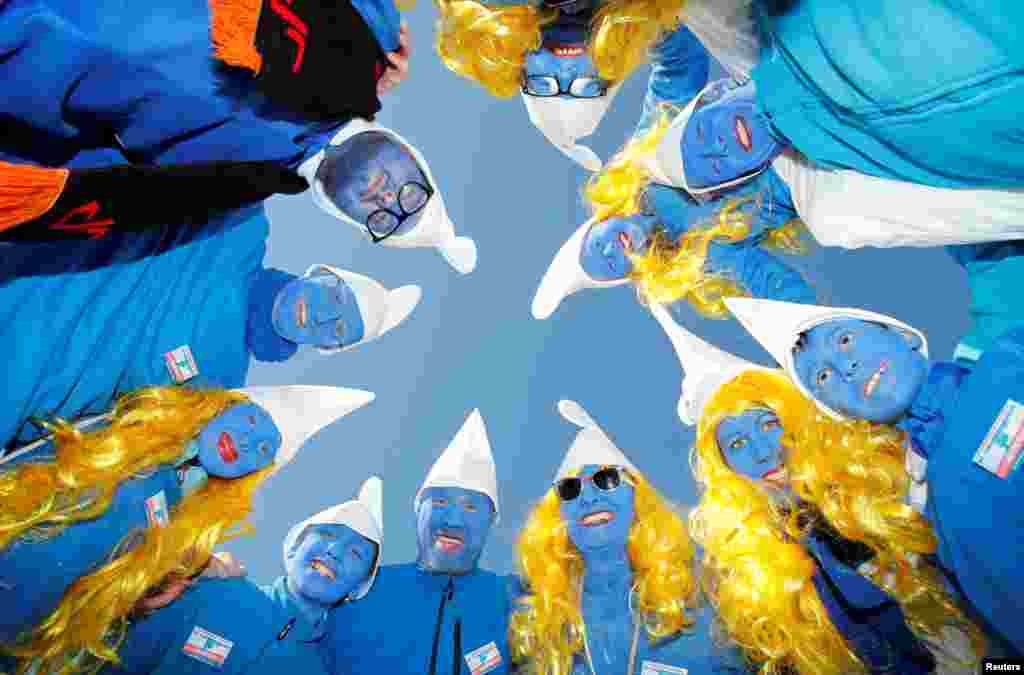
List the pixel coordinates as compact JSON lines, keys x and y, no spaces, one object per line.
{"x":759,"y":578}
{"x":548,"y":629}
{"x":150,"y":427}
{"x":671,"y":270}
{"x":88,"y":626}
{"x":489,"y":44}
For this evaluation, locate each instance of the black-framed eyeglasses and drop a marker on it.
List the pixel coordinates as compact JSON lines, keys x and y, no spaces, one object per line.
{"x":545,"y":86}
{"x":606,"y":479}
{"x":412,"y":197}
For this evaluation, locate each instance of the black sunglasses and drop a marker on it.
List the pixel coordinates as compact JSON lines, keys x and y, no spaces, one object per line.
{"x":606,"y":479}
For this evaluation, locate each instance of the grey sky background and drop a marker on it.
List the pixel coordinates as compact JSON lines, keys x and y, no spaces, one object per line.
{"x":472,"y":342}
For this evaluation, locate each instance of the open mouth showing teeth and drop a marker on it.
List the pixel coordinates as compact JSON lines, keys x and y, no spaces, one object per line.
{"x":625,"y":240}
{"x":322,"y":569}
{"x":743,"y":134}
{"x":875,"y":379}
{"x":595,"y":519}
{"x":226,"y":447}
{"x":449,"y":542}
{"x":777,"y":476}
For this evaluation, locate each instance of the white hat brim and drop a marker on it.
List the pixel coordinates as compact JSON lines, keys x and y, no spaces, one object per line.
{"x":566,"y":276}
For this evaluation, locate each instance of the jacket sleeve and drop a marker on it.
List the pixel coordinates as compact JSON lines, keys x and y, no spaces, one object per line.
{"x":93,"y":95}
{"x":870,"y":621}
{"x":995,"y":272}
{"x":679,"y":70}
{"x":852,"y":210}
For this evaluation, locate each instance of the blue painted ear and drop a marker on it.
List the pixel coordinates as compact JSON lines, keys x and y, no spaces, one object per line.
{"x":913,"y":339}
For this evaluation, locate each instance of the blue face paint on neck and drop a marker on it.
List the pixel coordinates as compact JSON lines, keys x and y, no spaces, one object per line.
{"x":727,"y":136}
{"x":452,"y":526}
{"x":751,"y":444}
{"x":604,"y":255}
{"x":761,"y":273}
{"x":599,"y":521}
{"x":239,"y":441}
{"x":371,"y":171}
{"x":863,"y":369}
{"x":319,"y":310}
{"x":326,"y":564}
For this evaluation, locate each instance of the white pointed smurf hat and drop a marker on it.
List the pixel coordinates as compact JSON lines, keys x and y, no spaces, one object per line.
{"x":591,"y":445}
{"x":434,"y":229}
{"x":380,"y":308}
{"x":705,"y":367}
{"x":467,"y":462}
{"x":564,"y":121}
{"x":565,"y":275}
{"x":666,"y":163}
{"x":299,"y":411}
{"x":778,"y":325}
{"x":364,"y":514}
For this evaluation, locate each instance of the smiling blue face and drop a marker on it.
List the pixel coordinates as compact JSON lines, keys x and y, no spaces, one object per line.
{"x":727,"y":136}
{"x":328,"y":563}
{"x":599,"y":519}
{"x":239,"y":441}
{"x":319,"y":310}
{"x":605,"y":248}
{"x":566,"y":64}
{"x":751,"y":444}
{"x":367,"y":173}
{"x":863,"y":369}
{"x":452,"y":526}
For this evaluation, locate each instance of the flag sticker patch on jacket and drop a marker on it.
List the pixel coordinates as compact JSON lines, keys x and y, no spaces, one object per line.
{"x":1001,"y":451}
{"x":156,"y":510}
{"x":208,"y":647}
{"x":483,"y":660}
{"x":180,"y":364}
{"x":655,"y":668}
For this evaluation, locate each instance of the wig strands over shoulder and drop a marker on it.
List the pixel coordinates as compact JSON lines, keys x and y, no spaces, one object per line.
{"x":489,"y":44}
{"x":150,"y":427}
{"x":756,"y":574}
{"x":86,"y":629}
{"x":671,"y":270}
{"x":546,"y":629}
{"x":758,"y":579}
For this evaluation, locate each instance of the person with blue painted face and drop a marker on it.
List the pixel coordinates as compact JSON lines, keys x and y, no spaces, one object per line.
{"x":726,"y":136}
{"x":441,"y":613}
{"x":100,"y":512}
{"x":162,"y":308}
{"x":607,"y":584}
{"x":234,"y":626}
{"x":264,"y":105}
{"x":769,"y":548}
{"x":960,"y":421}
{"x":672,"y":247}
{"x":566,"y":59}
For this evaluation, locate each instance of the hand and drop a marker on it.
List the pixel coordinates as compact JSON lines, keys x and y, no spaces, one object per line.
{"x":223,"y":565}
{"x":399,"y":60}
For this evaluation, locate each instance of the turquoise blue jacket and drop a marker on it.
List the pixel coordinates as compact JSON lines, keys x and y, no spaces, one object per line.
{"x":395,"y":628}
{"x":103,"y":314}
{"x":226,"y":626}
{"x":133,"y":82}
{"x":995,"y":273}
{"x":969,"y":422}
{"x":925,"y":91}
{"x":35,"y":574}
